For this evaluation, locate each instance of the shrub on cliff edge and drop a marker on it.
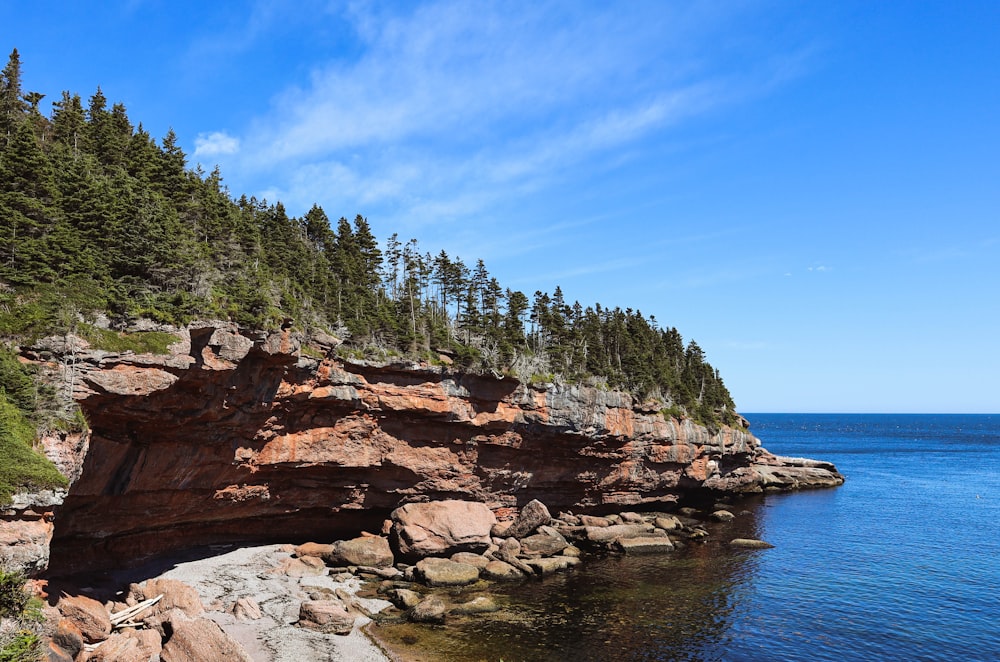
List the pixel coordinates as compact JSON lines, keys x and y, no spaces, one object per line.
{"x":13,"y":597}
{"x":21,"y":467}
{"x":19,"y":640}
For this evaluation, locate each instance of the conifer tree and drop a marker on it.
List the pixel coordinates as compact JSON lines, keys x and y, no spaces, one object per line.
{"x":69,"y":123}
{"x":12,"y":105}
{"x":27,"y":203}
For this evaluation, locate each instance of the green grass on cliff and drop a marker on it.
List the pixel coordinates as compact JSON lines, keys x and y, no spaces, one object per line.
{"x":21,"y":466}
{"x":142,"y":342}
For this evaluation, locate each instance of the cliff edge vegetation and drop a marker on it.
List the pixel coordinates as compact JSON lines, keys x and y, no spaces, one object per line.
{"x":104,"y":228}
{"x":22,"y":468}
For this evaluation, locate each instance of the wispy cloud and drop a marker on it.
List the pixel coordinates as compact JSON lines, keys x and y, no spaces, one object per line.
{"x":583,"y":270}
{"x":447,"y":109}
{"x":215,"y":143}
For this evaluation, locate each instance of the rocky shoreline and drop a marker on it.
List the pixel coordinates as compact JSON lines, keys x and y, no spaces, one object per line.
{"x":431,"y":563}
{"x":247,"y":437}
{"x":238,"y":438}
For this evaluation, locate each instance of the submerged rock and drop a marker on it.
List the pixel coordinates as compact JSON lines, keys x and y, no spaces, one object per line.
{"x":430,"y":610}
{"x":750,"y":543}
{"x":549,"y":565}
{"x":479,"y":605}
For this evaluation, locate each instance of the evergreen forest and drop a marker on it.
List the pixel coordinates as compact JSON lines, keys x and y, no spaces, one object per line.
{"x":98,"y":219}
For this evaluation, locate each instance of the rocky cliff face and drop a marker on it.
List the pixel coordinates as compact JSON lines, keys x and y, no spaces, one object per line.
{"x":232,"y":438}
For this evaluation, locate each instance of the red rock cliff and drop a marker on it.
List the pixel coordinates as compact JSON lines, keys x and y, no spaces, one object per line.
{"x":231,"y":438}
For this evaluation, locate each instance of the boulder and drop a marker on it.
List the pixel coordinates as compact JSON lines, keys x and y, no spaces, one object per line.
{"x":499,"y":570}
{"x":120,"y":648}
{"x":316,"y":549}
{"x":509,"y":551}
{"x":246,"y":609}
{"x":306,"y":566}
{"x":645,"y":545}
{"x":723,"y":516}
{"x":445,"y":572}
{"x":383,"y":573}
{"x":404,"y":598}
{"x":511,"y":546}
{"x":591,"y":520}
{"x":533,"y":515}
{"x":667,"y":523}
{"x":549,"y":543}
{"x":68,"y":637}
{"x":546,"y":566}
{"x":571,"y":561}
{"x":88,"y":615}
{"x":604,"y":534}
{"x":469,"y":558}
{"x":442,"y":527}
{"x":370,"y":551}
{"x":328,"y":616}
{"x":430,"y":610}
{"x":56,"y":654}
{"x":499,"y":529}
{"x":161,"y":623}
{"x":176,"y":595}
{"x":199,"y":640}
{"x":149,"y":642}
{"x":631,"y":518}
{"x":569,"y":519}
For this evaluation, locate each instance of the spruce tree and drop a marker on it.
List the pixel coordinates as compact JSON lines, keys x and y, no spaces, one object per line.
{"x":12,"y":105}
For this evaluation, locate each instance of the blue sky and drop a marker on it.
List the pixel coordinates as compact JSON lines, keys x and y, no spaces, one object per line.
{"x":811,"y":190}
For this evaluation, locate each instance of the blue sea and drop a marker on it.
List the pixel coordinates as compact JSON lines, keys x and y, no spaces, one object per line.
{"x":900,"y":563}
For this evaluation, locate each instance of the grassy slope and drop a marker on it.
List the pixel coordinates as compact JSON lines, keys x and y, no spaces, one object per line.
{"x":21,"y":467}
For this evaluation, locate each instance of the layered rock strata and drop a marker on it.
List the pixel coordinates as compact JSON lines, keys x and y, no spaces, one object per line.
{"x":231,"y":437}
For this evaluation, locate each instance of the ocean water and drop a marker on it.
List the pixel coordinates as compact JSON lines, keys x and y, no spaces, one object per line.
{"x":900,"y":563}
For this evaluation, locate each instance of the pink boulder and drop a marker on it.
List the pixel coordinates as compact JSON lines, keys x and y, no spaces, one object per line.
{"x":441,"y":528}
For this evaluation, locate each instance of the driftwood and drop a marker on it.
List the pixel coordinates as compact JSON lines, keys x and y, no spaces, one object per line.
{"x":124,"y":618}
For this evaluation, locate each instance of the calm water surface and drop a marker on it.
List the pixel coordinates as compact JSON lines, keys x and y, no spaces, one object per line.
{"x":901,"y":563}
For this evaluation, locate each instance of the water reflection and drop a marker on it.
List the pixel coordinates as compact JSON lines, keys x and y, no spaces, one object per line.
{"x":679,"y":606}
